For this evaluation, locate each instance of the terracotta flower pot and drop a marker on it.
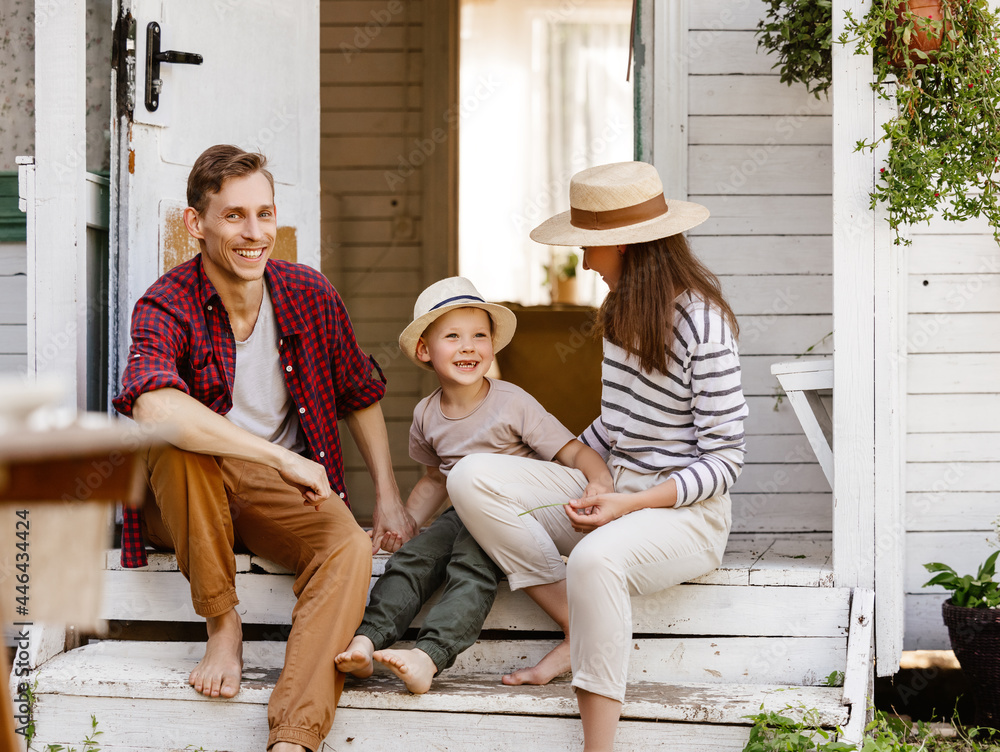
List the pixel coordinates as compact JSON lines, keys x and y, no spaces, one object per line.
{"x":930,"y":29}
{"x":975,"y":638}
{"x":564,"y":290}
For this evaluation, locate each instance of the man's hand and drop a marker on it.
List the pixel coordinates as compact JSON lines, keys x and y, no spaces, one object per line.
{"x":591,"y":512}
{"x":392,"y":525}
{"x":307,"y":476}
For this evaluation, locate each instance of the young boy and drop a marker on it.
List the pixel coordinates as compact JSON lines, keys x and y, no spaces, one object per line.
{"x":455,"y":334}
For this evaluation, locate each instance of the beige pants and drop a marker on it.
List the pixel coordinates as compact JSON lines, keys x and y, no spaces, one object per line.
{"x":640,"y":553}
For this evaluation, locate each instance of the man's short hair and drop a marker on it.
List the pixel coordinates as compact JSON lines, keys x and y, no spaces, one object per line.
{"x":215,"y":166}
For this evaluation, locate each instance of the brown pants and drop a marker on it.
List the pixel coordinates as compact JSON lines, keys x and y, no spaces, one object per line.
{"x":205,"y":506}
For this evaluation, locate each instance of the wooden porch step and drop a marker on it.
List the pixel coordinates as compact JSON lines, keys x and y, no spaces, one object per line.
{"x":121,"y":682}
{"x":777,"y":563}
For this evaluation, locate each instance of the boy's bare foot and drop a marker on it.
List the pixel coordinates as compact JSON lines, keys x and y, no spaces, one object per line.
{"x":414,"y":667}
{"x":287,"y":747}
{"x":218,"y":674}
{"x":555,"y":663}
{"x":357,"y":659}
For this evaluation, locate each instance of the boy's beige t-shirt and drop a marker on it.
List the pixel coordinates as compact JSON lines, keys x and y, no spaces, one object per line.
{"x":507,"y":421}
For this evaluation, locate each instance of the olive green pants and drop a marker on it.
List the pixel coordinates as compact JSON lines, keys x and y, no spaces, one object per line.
{"x":445,"y":553}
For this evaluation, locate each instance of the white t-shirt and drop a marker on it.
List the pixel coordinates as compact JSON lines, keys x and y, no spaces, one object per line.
{"x":507,"y":421}
{"x":262,"y":404}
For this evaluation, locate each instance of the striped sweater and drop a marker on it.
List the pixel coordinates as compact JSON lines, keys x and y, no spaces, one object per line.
{"x":690,"y":419}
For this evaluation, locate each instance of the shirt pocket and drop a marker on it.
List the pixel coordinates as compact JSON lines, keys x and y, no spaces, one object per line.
{"x":204,"y":379}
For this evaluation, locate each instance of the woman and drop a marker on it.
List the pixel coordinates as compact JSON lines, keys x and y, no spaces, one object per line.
{"x":671,"y":430}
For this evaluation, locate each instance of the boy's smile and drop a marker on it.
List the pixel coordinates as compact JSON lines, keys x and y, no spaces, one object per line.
{"x":459,"y":346}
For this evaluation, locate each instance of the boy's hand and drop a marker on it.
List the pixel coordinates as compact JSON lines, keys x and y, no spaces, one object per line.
{"x":391,"y":542}
{"x":590,"y":513}
{"x":390,"y":521}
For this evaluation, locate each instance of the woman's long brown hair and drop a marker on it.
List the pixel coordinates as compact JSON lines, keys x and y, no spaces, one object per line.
{"x":639,"y":315}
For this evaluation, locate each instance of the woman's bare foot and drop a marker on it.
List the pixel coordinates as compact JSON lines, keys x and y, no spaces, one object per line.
{"x":555,"y":663}
{"x":357,"y":659}
{"x":414,"y":667}
{"x":218,"y":674}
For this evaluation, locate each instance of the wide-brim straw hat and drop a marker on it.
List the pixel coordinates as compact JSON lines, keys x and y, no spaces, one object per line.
{"x":618,"y":203}
{"x":447,"y":295}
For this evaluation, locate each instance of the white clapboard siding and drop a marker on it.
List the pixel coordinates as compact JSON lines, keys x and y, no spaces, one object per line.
{"x":760,"y":129}
{"x":765,"y":215}
{"x":725,"y":14}
{"x":756,"y":513}
{"x":925,"y":628}
{"x":955,"y":373}
{"x":952,"y":332}
{"x":963,"y":551}
{"x":13,"y":259}
{"x":764,"y":334}
{"x":953,"y":254}
{"x":766,"y":254}
{"x":13,"y":339}
{"x":954,"y":293}
{"x":770,"y":169}
{"x":952,"y":476}
{"x":952,"y":413}
{"x":949,"y":510}
{"x":751,"y":95}
{"x":720,"y":51}
{"x":933,"y":447}
{"x":13,"y":300}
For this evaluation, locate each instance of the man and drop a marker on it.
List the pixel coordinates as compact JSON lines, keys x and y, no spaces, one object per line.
{"x":253,"y":361}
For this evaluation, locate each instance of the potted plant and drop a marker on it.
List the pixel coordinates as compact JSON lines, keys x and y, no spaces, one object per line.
{"x":972,"y":615}
{"x":561,"y":277}
{"x":945,"y":137}
{"x":800,"y":33}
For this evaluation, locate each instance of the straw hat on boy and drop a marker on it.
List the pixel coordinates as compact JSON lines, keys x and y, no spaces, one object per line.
{"x":447,"y":295}
{"x":618,"y":203}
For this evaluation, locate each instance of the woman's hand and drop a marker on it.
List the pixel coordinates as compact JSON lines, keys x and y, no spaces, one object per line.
{"x":591,"y":512}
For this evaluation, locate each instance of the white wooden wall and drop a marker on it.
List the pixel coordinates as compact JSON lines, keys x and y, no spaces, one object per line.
{"x":373,"y":151}
{"x":13,"y":308}
{"x":759,"y":157}
{"x":953,"y":441}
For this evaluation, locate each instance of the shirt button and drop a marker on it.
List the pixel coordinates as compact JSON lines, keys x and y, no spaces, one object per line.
{"x":322,"y":455}
{"x":210,"y":308}
{"x":288,"y":368}
{"x":281,"y":341}
{"x":342,"y":494}
{"x":301,"y":410}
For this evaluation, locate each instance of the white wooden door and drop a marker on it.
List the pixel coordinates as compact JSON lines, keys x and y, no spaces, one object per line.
{"x":257,"y":87}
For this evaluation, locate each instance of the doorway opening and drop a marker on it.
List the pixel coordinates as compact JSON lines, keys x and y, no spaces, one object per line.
{"x":542,"y":95}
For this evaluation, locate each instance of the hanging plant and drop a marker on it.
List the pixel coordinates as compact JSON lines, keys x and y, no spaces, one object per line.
{"x":945,"y":137}
{"x":799,"y":32}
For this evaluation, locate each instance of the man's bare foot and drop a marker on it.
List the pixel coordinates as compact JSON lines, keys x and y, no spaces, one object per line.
{"x":218,"y":674}
{"x":287,"y":747}
{"x":414,"y":667}
{"x":555,"y":663}
{"x":357,"y":659}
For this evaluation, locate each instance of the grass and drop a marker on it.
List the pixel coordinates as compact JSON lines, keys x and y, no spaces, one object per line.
{"x":796,"y":729}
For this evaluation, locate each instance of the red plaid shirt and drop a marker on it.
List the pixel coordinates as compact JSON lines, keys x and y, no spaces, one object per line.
{"x":181,"y":338}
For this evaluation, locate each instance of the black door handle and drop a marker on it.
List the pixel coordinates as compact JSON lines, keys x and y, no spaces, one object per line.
{"x":153,"y":59}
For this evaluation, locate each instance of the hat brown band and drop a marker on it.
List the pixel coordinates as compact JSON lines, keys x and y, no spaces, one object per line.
{"x":615,"y":218}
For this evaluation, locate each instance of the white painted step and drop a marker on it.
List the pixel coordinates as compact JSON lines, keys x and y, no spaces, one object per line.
{"x":122,"y":683}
